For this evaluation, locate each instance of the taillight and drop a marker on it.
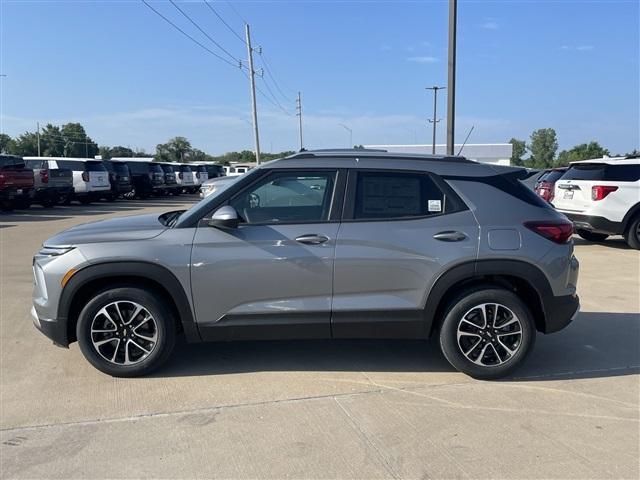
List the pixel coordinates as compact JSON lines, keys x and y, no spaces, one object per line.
{"x":180,"y":175}
{"x":197,"y":174}
{"x":558,"y":231}
{"x":545,"y":190}
{"x":85,"y":176}
{"x":598,"y":192}
{"x":44,"y":176}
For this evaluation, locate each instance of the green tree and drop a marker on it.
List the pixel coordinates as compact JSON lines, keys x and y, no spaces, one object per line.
{"x":51,"y":141}
{"x":119,"y":151}
{"x":7,"y":145}
{"x":519,"y":149}
{"x":26,"y":144}
{"x":175,"y":150}
{"x":543,"y":147}
{"x":584,"y":151}
{"x":76,"y":141}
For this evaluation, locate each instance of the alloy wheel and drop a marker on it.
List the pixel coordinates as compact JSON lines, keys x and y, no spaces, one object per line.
{"x":124,"y":332}
{"x":489,"y":334}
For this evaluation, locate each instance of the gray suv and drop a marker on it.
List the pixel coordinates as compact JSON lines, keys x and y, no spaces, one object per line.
{"x":321,"y":244}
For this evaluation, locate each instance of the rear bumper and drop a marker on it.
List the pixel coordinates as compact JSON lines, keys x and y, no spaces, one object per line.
{"x":560,"y":312}
{"x":55,"y":330}
{"x":594,"y":223}
{"x":17,"y":193}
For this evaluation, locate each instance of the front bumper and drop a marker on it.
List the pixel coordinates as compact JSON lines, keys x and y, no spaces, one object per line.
{"x":594,"y":224}
{"x":55,"y":330}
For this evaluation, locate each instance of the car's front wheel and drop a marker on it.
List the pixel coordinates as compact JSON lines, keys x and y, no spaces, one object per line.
{"x":126,"y":331}
{"x":487,"y":332}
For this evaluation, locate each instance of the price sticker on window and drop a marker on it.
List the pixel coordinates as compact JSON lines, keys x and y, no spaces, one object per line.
{"x":435,"y":205}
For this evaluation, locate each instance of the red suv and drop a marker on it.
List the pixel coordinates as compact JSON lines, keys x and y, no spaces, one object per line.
{"x":547,"y":183}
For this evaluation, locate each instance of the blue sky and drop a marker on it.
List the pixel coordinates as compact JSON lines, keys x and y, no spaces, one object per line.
{"x":131,"y":79}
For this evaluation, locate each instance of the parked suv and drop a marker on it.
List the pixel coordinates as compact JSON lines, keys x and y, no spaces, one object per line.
{"x":327,"y":244}
{"x":185,"y":178}
{"x":147,"y":176}
{"x":119,"y":178}
{"x":602,"y":198}
{"x":16,"y":183}
{"x":90,"y":178}
{"x":545,"y":187}
{"x":170,"y":181}
{"x":52,"y":185}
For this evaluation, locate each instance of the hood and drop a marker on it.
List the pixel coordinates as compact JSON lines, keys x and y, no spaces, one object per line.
{"x":138,"y":227}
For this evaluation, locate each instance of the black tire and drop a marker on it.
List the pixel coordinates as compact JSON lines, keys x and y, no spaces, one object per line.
{"x":85,"y":200}
{"x":467,"y":304}
{"x":48,"y":202}
{"x":111,"y":197}
{"x":6,"y":205}
{"x":164,"y":328}
{"x":592,"y":236}
{"x":22,"y":204}
{"x":632,"y":235}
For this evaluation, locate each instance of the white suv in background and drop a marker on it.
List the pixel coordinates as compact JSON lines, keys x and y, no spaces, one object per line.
{"x":602,"y":198}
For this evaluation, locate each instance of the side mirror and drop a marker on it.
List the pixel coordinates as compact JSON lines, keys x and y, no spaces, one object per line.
{"x":224,"y":217}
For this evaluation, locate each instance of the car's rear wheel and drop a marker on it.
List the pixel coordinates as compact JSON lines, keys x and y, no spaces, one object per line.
{"x":126,"y":332}
{"x":487,"y":332}
{"x":632,"y":235}
{"x":592,"y":236}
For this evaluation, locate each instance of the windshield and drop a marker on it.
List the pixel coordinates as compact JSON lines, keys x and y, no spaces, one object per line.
{"x":203,"y":207}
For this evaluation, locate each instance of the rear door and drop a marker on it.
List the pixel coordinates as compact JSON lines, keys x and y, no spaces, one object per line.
{"x":573,"y":190}
{"x":400,"y":231}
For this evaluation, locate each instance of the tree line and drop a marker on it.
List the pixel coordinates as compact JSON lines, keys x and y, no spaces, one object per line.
{"x":72,"y":140}
{"x":541,"y":151}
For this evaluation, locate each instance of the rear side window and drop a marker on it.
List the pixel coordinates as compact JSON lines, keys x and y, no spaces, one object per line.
{"x":384,"y":195}
{"x":9,"y":161}
{"x":138,"y":167}
{"x":34,"y":164}
{"x":604,"y":172}
{"x":155,"y":168}
{"x":167,"y":168}
{"x":71,"y":165}
{"x":96,"y":167}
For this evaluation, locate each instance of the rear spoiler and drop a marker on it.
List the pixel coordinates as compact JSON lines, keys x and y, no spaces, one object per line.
{"x":515,"y":173}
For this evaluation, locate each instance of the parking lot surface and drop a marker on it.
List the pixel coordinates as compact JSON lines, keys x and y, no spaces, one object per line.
{"x":320,"y":409}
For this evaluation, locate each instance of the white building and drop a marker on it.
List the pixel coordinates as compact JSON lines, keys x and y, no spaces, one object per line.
{"x":494,"y":153}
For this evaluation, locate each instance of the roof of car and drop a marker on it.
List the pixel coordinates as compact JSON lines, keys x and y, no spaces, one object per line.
{"x":373,"y":153}
{"x":611,"y":161}
{"x":65,"y":159}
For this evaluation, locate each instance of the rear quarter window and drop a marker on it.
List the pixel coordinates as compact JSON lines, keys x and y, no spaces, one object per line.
{"x":138,"y":167}
{"x":96,"y":167}
{"x":604,"y":172}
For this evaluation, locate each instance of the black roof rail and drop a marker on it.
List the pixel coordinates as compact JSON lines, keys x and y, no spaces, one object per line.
{"x":374,"y":153}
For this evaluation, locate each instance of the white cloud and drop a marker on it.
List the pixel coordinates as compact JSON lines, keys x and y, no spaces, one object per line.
{"x":584,"y":48}
{"x":385,"y":48}
{"x":579,"y":48}
{"x":490,"y":25}
{"x":426,"y":59}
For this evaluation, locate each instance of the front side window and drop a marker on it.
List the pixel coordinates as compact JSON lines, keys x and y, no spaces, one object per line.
{"x":287,"y":197}
{"x":381,"y":195}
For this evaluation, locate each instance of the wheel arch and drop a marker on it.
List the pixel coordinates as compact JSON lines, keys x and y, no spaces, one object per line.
{"x":629,"y":216}
{"x":94,"y":278}
{"x":523,"y":278}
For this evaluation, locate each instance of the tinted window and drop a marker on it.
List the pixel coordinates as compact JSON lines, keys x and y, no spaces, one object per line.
{"x":185,"y":168}
{"x":605,"y":172}
{"x":120,"y":168}
{"x":34,"y":164}
{"x":202,"y":168}
{"x":155,"y":168}
{"x":96,"y":167}
{"x":214,"y":170}
{"x":167,"y":168}
{"x":138,"y":167}
{"x":396,"y":195}
{"x":10,"y":161}
{"x":72,"y":165}
{"x":287,"y":197}
{"x":553,"y":176}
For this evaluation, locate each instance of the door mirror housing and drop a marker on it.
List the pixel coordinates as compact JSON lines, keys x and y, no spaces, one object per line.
{"x":224,"y":217}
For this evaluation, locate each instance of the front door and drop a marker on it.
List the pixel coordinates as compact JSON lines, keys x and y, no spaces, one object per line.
{"x":272,"y":277}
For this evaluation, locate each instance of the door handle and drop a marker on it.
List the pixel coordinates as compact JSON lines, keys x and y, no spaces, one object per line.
{"x":312,"y":239}
{"x":450,"y":236}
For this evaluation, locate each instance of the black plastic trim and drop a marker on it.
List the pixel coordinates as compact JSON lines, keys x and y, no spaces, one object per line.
{"x":147,"y":270}
{"x":595,"y":223}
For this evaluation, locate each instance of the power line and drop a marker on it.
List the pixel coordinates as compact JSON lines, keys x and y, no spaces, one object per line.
{"x":189,"y":36}
{"x":202,"y":31}
{"x":266,"y":97}
{"x":266,"y":66}
{"x":275,"y":99}
{"x":225,"y":23}
{"x":237,"y":13}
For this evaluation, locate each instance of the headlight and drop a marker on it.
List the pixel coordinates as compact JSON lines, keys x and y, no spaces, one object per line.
{"x":54,"y":251}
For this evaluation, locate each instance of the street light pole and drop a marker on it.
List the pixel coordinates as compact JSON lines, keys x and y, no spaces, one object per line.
{"x":350,"y":134}
{"x":451,"y":83}
{"x":299,"y":115}
{"x":435,"y":114}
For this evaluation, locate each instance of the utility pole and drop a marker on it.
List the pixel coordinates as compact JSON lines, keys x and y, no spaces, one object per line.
{"x":451,"y":95}
{"x":252,"y":81}
{"x":299,"y":115}
{"x":38,"y":124}
{"x":435,"y":116}
{"x":86,"y":146}
{"x":350,"y":134}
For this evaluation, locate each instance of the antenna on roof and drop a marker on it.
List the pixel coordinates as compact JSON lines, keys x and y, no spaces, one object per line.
{"x":465,"y":140}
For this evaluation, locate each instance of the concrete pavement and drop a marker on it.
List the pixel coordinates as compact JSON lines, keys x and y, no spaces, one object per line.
{"x":343,"y":409}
